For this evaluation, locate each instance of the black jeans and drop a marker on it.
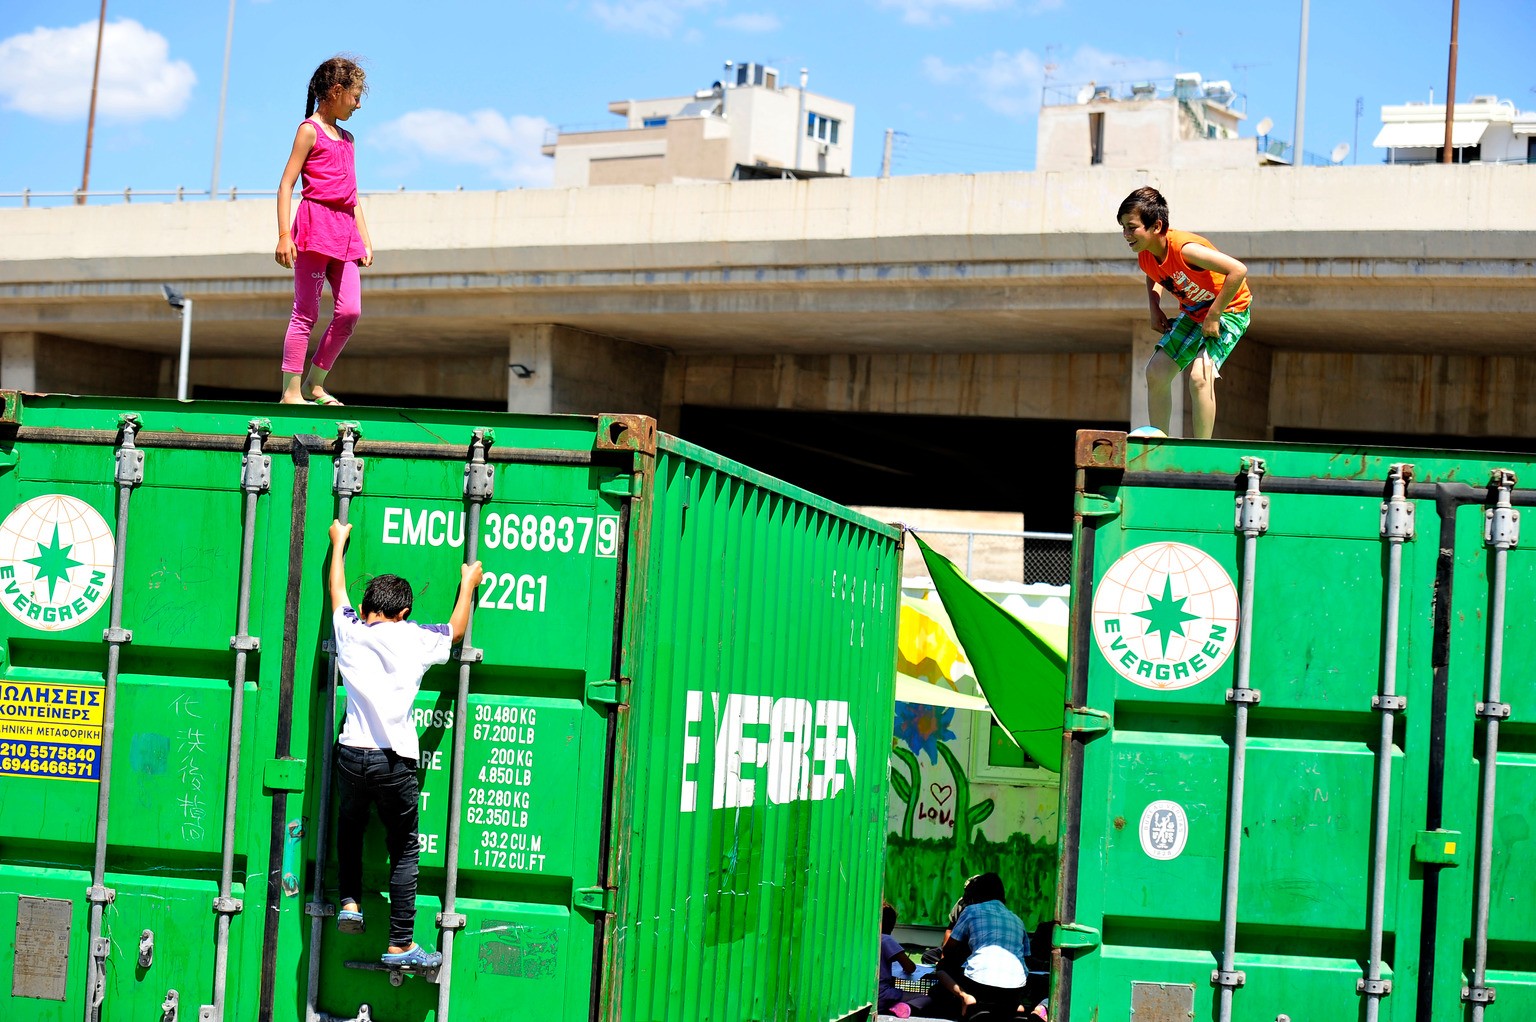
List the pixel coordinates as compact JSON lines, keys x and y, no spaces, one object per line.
{"x":388,"y":783}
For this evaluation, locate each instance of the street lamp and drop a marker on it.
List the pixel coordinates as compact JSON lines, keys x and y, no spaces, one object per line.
{"x":183,"y":305}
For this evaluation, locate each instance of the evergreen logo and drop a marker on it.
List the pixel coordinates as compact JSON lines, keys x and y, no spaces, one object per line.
{"x":1165,"y":616}
{"x":55,"y":562}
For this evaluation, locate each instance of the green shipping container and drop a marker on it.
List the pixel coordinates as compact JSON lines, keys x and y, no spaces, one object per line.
{"x":652,"y":781}
{"x":1300,"y":766}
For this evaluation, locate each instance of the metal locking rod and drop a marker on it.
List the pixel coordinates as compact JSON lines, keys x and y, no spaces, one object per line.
{"x":347,"y":482}
{"x":1396,"y":529}
{"x":255,"y":479}
{"x":479,"y":483}
{"x":1501,"y":533}
{"x":1252,"y":522}
{"x":129,"y":474}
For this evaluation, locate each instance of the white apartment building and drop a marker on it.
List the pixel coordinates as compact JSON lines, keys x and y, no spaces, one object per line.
{"x":1186,"y":123}
{"x":1486,"y":130}
{"x":749,"y":123}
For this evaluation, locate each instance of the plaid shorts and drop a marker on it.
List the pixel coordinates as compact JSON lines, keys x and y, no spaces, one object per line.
{"x":1185,"y":342}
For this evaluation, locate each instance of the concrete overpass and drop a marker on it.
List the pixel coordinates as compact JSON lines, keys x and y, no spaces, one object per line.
{"x":1390,"y":299}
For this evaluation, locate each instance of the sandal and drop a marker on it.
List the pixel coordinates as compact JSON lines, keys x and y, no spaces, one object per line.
{"x":327,"y":399}
{"x":350,"y":920}
{"x":413,"y":957}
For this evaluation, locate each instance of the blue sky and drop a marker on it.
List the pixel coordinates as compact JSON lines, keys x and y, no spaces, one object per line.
{"x":461,"y":93}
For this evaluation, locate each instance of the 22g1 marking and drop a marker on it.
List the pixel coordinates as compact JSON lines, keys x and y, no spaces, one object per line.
{"x":547,"y":533}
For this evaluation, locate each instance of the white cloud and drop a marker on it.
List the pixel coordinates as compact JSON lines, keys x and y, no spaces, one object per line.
{"x":648,"y":17}
{"x":751,"y":22}
{"x":935,"y":12}
{"x":507,"y":148}
{"x":47,"y":73}
{"x":1011,"y":83}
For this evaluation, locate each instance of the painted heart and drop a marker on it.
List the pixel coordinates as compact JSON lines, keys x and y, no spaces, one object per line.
{"x":940,"y":792}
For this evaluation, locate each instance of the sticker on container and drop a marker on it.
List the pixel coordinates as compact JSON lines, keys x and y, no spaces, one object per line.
{"x":1164,"y":830}
{"x":51,"y":729}
{"x":55,"y":562}
{"x":1165,"y":616}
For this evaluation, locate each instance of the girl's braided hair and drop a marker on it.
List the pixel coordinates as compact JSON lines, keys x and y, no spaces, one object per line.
{"x":339,"y":70}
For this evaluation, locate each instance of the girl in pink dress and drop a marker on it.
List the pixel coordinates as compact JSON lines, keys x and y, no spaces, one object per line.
{"x":329,"y":238}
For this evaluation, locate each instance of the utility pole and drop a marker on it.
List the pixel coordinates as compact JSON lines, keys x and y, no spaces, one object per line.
{"x":1297,"y":153}
{"x":1447,"y":156}
{"x":90,"y":121}
{"x":805,"y":77}
{"x":218,"y":136}
{"x":885,"y":159}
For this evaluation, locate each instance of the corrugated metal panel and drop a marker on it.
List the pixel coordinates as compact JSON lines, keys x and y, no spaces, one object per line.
{"x":1162,"y":566}
{"x":754,"y":772}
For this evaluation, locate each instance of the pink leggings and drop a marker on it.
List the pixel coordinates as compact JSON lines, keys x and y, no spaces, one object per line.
{"x":310,"y":272}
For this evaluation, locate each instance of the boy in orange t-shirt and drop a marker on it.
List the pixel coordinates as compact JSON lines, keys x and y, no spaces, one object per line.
{"x":1213,"y":295}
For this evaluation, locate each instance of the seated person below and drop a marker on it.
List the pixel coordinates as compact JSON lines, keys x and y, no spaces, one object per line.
{"x":992,"y":974}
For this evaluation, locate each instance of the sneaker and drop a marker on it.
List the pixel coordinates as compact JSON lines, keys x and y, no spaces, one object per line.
{"x":413,"y":957}
{"x":901,"y":1009}
{"x":350,"y":920}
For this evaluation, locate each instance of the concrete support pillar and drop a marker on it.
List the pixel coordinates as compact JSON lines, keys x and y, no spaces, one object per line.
{"x":18,"y":361}
{"x":553,"y":368}
{"x":1243,"y":393}
{"x":1143,"y":343}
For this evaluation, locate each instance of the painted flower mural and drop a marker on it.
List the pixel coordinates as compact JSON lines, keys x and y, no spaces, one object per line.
{"x":924,"y":727}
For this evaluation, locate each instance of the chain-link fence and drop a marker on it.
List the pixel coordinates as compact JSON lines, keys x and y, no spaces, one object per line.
{"x":999,"y":555}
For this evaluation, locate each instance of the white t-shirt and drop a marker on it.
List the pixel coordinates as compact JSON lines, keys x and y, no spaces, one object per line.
{"x":996,"y":967}
{"x":381,"y":666}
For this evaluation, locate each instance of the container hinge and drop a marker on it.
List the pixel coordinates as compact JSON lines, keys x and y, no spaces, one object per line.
{"x":479,"y":481}
{"x":1373,"y":987}
{"x":1233,"y":979}
{"x":347,"y":470}
{"x":101,"y":895}
{"x":1086,"y":720}
{"x":1493,"y":711}
{"x":119,"y":636}
{"x":10,"y":413}
{"x":625,"y":485}
{"x":595,"y":899}
{"x":1250,"y":696}
{"x":283,"y":775}
{"x":1252,"y":514}
{"x":471,"y":654}
{"x":328,"y":646}
{"x":1095,"y":505}
{"x":245,"y":643}
{"x":207,"y":1013}
{"x":452,"y":920}
{"x":146,"y":949}
{"x":608,"y":693}
{"x":1389,"y":704}
{"x":168,"y":1006}
{"x":1479,"y":995}
{"x":256,"y":473}
{"x":228,"y":906}
{"x":1437,"y":847}
{"x":1075,"y":937}
{"x":1397,"y":510}
{"x":1501,"y":528}
{"x":323,"y":909}
{"x":129,"y":459}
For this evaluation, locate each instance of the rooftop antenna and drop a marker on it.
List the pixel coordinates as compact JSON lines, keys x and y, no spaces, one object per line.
{"x":1243,"y":70}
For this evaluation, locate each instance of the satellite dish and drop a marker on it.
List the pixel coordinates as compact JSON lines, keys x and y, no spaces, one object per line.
{"x":1263,"y":126}
{"x":1339,"y":152}
{"x":1085,"y":93}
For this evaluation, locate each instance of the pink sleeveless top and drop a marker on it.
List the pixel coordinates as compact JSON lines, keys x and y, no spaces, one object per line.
{"x":325,"y":222}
